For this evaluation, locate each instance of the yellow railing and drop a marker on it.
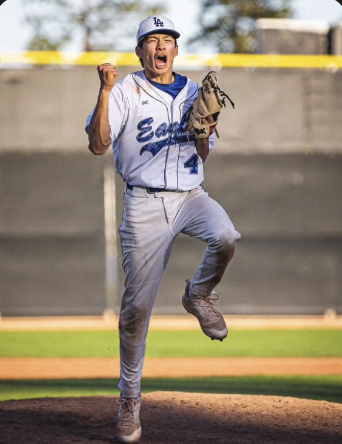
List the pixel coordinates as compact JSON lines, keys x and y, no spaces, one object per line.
{"x":185,"y":61}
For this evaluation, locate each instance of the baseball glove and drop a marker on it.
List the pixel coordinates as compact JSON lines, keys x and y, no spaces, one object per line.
{"x":208,"y":103}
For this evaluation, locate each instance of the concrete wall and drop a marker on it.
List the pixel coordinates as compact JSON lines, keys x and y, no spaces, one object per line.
{"x":289,"y":212}
{"x":52,"y":243}
{"x":277,"y":170}
{"x":282,"y":111}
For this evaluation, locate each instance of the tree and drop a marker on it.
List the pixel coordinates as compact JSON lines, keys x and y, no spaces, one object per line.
{"x":230,"y":25}
{"x":99,"y":25}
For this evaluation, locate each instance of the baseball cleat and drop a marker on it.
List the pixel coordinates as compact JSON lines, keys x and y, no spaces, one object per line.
{"x":128,"y":424}
{"x":209,"y":317}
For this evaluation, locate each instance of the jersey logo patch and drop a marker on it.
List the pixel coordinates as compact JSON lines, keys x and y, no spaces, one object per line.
{"x":170,"y":134}
{"x":157,"y":22}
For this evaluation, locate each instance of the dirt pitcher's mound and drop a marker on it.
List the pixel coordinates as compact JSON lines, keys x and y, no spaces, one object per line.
{"x":173,"y":417}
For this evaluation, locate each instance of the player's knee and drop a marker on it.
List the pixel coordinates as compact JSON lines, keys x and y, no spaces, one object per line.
{"x":225,"y":241}
{"x":133,"y":320}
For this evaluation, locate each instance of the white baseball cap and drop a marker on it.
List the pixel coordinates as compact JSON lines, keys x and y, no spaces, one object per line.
{"x":156,"y":24}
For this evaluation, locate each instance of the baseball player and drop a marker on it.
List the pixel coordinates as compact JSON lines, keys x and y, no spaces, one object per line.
{"x":145,"y":119}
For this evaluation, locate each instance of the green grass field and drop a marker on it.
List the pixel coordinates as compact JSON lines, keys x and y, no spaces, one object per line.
{"x":253,"y":343}
{"x":328,"y":388}
{"x":258,"y":343}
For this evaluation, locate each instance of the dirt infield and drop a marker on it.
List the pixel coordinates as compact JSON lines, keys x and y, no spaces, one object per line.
{"x":57,"y":368}
{"x":174,"y":417}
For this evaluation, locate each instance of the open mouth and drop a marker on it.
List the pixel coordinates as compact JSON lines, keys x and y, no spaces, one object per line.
{"x":161,"y":61}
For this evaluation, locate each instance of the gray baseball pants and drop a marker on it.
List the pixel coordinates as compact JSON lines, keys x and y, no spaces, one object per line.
{"x":150,"y":225}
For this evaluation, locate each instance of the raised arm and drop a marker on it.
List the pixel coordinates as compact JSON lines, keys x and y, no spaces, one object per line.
{"x":99,"y":129}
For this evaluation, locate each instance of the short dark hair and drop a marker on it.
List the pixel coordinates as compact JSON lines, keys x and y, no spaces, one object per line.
{"x":140,"y":44}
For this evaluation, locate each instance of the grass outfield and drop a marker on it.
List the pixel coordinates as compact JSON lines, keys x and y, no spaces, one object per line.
{"x":252,"y":343}
{"x":328,"y":388}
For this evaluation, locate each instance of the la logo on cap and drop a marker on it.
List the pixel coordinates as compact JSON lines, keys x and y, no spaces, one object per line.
{"x":157,"y":22}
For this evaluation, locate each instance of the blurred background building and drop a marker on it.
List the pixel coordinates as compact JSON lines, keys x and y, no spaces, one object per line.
{"x":336,"y":40}
{"x":286,"y":36}
{"x":289,"y":36}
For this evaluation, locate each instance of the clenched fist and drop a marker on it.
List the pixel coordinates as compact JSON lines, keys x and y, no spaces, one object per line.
{"x":107,"y":73}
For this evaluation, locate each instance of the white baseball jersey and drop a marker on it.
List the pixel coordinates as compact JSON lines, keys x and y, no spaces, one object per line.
{"x":149,"y":133}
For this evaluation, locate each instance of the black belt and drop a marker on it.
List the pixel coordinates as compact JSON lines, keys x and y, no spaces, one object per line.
{"x":149,"y":190}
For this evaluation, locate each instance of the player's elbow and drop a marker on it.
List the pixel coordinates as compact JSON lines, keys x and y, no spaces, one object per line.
{"x":202,"y":148}
{"x":97,"y":150}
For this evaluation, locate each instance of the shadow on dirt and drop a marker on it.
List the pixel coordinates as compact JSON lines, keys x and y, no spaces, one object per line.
{"x":174,"y":418}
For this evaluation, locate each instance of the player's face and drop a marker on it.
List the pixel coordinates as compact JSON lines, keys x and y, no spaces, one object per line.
{"x":158,"y":52}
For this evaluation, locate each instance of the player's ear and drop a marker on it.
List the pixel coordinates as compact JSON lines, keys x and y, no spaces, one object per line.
{"x":176,"y":51}
{"x":138,"y":51}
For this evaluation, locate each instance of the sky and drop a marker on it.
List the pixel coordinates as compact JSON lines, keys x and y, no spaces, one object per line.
{"x":14,"y":33}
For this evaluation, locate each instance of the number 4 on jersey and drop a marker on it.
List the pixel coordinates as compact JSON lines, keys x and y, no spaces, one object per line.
{"x":192,"y":163}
